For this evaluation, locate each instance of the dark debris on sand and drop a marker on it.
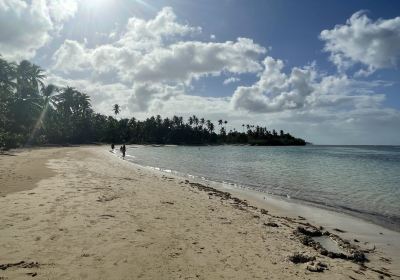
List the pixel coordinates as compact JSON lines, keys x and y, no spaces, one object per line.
{"x":304,"y":232}
{"x":317,"y":267}
{"x":300,"y":258}
{"x":271,"y":224}
{"x":354,"y":253}
{"x":312,"y":264}
{"x":21,"y":264}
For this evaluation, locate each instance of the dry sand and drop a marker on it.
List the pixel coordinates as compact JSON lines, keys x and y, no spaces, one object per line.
{"x":82,"y":213}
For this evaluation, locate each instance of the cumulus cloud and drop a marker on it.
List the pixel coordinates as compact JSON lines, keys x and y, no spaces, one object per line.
{"x":374,"y":44}
{"x":143,"y":100}
{"x":158,"y":59}
{"x":140,"y":37}
{"x":25,"y":26}
{"x":72,"y":56}
{"x":275,"y":90}
{"x":304,"y":88}
{"x":164,"y":25}
{"x":62,"y":10}
{"x":340,"y":91}
{"x":152,"y":96}
{"x":183,"y":61}
{"x":157,"y":51}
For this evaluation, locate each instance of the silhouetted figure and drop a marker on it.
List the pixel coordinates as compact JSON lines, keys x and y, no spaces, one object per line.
{"x":112,"y":146}
{"x":123,"y":150}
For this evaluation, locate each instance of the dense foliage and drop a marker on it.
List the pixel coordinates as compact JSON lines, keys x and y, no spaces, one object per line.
{"x":33,"y":113}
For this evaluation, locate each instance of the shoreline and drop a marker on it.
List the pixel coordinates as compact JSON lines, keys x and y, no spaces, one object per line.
{"x":373,"y":218}
{"x":349,"y":226}
{"x":98,"y":217}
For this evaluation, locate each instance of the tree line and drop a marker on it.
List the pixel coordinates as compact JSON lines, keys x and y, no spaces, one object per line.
{"x":35,"y":113}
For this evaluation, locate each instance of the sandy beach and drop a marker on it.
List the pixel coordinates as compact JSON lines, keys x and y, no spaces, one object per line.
{"x":83,"y":213}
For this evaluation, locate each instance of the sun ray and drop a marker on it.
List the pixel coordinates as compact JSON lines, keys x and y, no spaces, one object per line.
{"x":37,"y":124}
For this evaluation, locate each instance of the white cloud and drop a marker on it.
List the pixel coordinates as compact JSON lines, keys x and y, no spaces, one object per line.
{"x":71,"y":56}
{"x":163,"y":25}
{"x":304,"y":88}
{"x":158,"y":51}
{"x":276,"y":91}
{"x":184,"y":61}
{"x":340,"y":91}
{"x":231,"y":80}
{"x":62,"y":10}
{"x":25,"y":27}
{"x":375,"y":44}
{"x":157,"y":59}
{"x":151,"y":97}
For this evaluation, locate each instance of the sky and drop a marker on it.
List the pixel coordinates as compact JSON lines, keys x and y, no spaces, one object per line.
{"x":327,"y":71}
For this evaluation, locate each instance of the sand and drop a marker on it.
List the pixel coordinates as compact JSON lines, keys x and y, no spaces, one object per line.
{"x":19,"y":171}
{"x":83,"y":213}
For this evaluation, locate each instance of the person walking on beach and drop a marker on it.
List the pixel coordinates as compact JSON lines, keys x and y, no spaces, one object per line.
{"x":123,"y":150}
{"x":112,"y":146}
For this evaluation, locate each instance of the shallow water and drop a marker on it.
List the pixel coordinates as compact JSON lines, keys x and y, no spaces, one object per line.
{"x":329,"y":244}
{"x":360,"y":180}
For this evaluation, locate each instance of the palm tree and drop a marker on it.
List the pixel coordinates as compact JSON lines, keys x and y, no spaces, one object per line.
{"x":82,"y":104}
{"x":7,"y":97}
{"x":116,"y":109}
{"x":195,"y":120}
{"x":7,"y":75}
{"x":27,"y":101}
{"x":220,"y":122}
{"x":190,"y":120}
{"x":44,"y":103}
{"x":65,"y":101}
{"x":201,"y":123}
{"x":210,"y":126}
{"x":175,"y":121}
{"x":48,"y":93}
{"x":29,"y":79}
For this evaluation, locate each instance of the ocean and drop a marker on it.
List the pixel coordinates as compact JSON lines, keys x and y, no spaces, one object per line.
{"x":363,"y":181}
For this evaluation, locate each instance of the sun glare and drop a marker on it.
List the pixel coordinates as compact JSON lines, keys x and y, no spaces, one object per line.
{"x":95,"y":4}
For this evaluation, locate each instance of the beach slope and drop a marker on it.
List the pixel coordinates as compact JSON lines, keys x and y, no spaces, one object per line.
{"x":83,"y":213}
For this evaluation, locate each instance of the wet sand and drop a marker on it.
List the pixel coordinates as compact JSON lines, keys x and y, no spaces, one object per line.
{"x":19,"y":171}
{"x":82,"y":213}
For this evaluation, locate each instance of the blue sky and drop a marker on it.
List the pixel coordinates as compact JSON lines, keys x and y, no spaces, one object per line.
{"x":327,"y":71}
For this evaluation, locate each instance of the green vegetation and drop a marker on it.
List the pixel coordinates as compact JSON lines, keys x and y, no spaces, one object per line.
{"x":33,"y":113}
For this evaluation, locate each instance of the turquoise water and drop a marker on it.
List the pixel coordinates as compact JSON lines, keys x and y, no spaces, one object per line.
{"x":361,"y":180}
